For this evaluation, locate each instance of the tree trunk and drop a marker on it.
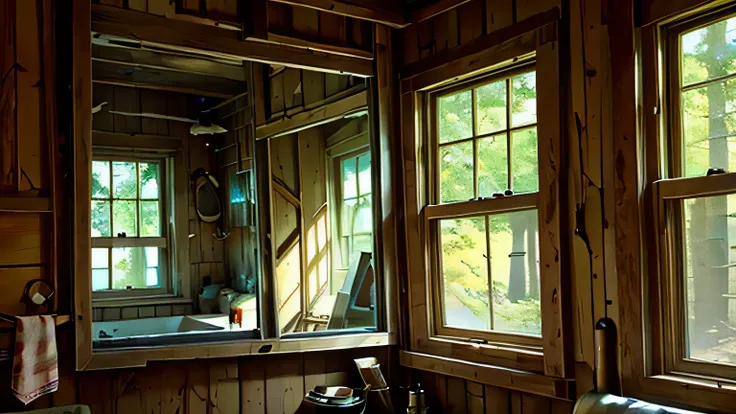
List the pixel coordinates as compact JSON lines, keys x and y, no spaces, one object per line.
{"x":710,"y":282}
{"x":531,"y":254}
{"x":517,"y":268}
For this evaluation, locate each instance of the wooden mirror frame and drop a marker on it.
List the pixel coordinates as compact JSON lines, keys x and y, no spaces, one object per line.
{"x":220,"y":42}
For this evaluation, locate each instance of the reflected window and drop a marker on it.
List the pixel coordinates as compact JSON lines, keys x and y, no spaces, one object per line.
{"x":130,"y":248}
{"x":323,"y":228}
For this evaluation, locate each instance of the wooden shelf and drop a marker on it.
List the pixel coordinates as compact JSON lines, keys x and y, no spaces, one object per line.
{"x":25,"y":204}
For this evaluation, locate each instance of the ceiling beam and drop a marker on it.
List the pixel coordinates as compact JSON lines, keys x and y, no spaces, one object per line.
{"x":359,"y":9}
{"x":212,"y":41}
{"x":125,"y":73}
{"x":167,"y":61}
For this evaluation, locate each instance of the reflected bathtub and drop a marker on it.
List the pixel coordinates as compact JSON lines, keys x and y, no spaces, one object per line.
{"x":166,"y":330}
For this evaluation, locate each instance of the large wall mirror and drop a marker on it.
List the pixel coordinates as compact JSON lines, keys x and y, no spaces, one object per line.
{"x":205,"y":228}
{"x":175,"y":247}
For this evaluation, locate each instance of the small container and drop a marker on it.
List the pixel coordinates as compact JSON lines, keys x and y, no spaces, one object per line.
{"x":379,"y":401}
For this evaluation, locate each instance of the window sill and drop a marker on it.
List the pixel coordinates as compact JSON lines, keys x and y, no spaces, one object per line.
{"x":491,"y":375}
{"x":142,"y":301}
{"x":140,"y":357}
{"x":683,"y":391}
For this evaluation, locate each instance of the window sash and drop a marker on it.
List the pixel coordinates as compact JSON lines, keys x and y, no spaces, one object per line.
{"x":162,"y":242}
{"x":669,"y":196}
{"x":434,"y":142}
{"x":476,"y":207}
{"x":432,"y":214}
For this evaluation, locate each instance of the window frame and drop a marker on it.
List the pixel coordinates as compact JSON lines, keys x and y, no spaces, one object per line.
{"x":164,"y":243}
{"x":480,"y":207}
{"x":554,"y":358}
{"x":667,"y":334}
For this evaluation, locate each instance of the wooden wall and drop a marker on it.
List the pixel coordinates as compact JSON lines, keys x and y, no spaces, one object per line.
{"x":291,"y":90}
{"x":27,"y":170}
{"x":248,"y":385}
{"x":456,"y":395}
{"x":206,"y":254}
{"x":463,"y":24}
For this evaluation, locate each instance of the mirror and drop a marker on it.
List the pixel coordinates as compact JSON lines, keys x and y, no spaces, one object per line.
{"x":175,"y":252}
{"x":322,"y":227}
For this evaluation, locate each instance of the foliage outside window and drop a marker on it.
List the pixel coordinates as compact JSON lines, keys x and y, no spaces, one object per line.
{"x":483,"y":220}
{"x":129,"y":243}
{"x":697,"y":200}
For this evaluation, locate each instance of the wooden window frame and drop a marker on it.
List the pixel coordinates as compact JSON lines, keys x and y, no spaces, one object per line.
{"x":166,"y":245}
{"x":477,"y":207}
{"x":554,"y":358}
{"x":667,"y":334}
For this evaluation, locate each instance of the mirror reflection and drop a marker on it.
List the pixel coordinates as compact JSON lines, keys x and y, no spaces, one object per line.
{"x":174,"y":234}
{"x":322,"y":227}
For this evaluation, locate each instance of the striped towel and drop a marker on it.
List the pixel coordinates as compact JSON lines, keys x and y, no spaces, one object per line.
{"x":35,"y":367}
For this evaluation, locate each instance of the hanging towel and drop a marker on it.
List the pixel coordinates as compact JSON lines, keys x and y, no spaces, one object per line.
{"x":35,"y":368}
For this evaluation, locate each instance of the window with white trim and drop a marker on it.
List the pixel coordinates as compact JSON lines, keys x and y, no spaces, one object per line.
{"x":130,"y":241}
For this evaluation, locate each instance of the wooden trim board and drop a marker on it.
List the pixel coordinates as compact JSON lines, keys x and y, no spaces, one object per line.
{"x":489,"y":374}
{"x":314,"y":117}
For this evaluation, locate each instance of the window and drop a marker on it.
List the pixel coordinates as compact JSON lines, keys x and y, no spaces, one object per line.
{"x":355,"y":209}
{"x":696,"y":201}
{"x":129,"y":237}
{"x":482,"y":219}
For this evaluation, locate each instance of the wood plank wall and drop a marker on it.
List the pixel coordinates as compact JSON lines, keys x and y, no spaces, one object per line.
{"x":206,"y":254}
{"x":25,"y":142}
{"x":318,"y":27}
{"x":456,"y":395}
{"x":591,"y":173}
{"x":248,"y":385}
{"x":291,"y":90}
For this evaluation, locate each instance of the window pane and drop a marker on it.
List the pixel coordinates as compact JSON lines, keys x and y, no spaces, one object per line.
{"x":100,"y":179}
{"x":135,"y":267}
{"x":524,"y":99}
{"x":709,"y":128}
{"x":465,"y":274}
{"x":349,"y":179}
{"x":455,"y":116}
{"x":491,"y":107}
{"x":363,"y":216}
{"x":515,"y":269}
{"x":710,"y":278}
{"x":124,"y":218}
{"x":100,"y":271}
{"x":708,"y":52}
{"x":493,"y":175}
{"x":100,"y":279}
{"x":364,"y":174}
{"x":456,"y":172}
{"x":124,"y":181}
{"x":524,"y":162}
{"x":150,"y":219}
{"x":100,"y":218}
{"x":149,"y":180}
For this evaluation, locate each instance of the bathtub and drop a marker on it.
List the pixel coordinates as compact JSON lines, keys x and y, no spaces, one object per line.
{"x":166,"y":330}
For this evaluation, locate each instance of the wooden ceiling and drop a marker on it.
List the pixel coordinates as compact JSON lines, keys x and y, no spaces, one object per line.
{"x":127,"y":63}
